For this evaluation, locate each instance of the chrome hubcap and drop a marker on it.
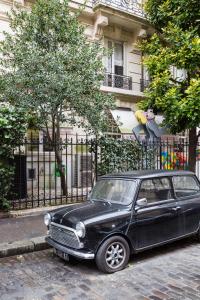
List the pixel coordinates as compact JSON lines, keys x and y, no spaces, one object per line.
{"x":115,"y":255}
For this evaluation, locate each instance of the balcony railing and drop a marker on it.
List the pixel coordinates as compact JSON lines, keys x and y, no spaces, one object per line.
{"x":144,"y":84}
{"x":134,"y":7}
{"x":118,"y":81}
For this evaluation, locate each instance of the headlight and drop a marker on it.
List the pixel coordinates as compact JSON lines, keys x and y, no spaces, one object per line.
{"x":47,"y":219}
{"x":80,"y":229}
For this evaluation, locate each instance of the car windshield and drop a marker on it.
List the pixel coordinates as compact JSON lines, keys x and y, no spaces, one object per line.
{"x":114,"y":191}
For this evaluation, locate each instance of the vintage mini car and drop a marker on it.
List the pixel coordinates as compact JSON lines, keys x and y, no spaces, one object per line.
{"x":127,"y":213}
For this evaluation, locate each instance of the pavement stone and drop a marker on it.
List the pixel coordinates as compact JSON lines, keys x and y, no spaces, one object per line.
{"x":22,"y":235}
{"x":22,"y":228}
{"x":169,"y":272}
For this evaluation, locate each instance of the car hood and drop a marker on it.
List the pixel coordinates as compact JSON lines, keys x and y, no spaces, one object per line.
{"x":86,"y":212}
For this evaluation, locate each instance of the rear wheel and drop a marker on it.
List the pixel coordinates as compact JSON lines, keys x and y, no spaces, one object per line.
{"x":113,"y":255}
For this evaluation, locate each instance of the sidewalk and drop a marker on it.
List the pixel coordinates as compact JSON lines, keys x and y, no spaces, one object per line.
{"x":22,"y":228}
{"x":24,"y":231}
{"x":22,"y":234}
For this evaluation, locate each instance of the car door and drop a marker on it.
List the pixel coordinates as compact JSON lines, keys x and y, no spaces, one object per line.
{"x":187,"y":192}
{"x":158,"y":221}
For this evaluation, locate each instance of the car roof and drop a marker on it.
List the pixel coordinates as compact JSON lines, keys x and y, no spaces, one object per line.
{"x":143,"y":174}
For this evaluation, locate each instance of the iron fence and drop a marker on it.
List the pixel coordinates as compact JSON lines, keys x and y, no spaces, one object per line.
{"x":37,"y":180}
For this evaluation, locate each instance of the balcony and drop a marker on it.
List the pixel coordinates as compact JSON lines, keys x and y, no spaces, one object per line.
{"x":133,"y":7}
{"x":122,"y":85}
{"x":144,"y":84}
{"x":118,"y":81}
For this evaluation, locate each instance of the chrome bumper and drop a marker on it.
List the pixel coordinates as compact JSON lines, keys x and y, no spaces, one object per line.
{"x":76,"y":253}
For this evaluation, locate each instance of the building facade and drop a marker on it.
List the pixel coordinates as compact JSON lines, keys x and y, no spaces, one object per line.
{"x":117,"y":24}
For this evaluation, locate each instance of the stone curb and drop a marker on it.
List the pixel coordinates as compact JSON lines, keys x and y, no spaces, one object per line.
{"x":23,"y":246}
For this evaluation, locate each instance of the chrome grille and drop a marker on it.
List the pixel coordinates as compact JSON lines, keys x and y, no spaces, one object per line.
{"x":64,"y":236}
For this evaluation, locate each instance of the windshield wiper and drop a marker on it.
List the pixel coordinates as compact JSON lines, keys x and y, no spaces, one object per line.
{"x":102,"y":200}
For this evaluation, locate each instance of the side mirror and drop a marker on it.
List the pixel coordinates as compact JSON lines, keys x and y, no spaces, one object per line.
{"x":140,"y":203}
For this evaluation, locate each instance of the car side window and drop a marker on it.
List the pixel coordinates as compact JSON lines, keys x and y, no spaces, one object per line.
{"x":156,"y":189}
{"x":185,"y":186}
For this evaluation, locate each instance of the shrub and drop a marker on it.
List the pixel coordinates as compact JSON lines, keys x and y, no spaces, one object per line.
{"x":120,"y":155}
{"x":12,"y":130}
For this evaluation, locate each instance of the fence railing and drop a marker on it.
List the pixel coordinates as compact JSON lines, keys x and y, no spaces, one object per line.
{"x":38,"y":172}
{"x":124,"y":82}
{"x":144,"y":83}
{"x":41,"y":179}
{"x":118,"y":81}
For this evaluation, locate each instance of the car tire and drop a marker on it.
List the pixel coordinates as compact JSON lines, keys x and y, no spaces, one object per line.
{"x":113,"y":255}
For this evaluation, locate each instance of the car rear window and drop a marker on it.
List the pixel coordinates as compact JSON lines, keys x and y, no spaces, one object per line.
{"x":185,"y":186}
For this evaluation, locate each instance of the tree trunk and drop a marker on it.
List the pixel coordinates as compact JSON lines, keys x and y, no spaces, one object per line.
{"x":54,"y":140}
{"x":193,"y":138}
{"x":61,"y":171}
{"x":58,"y":154}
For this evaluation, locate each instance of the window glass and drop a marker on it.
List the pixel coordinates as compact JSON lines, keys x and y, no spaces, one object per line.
{"x":185,"y":186}
{"x":114,"y":190}
{"x":118,"y":52}
{"x":115,"y":61}
{"x":157,"y":189}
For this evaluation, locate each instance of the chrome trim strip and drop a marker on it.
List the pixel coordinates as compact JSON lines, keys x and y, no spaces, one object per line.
{"x":68,"y":250}
{"x":168,"y":241}
{"x":62,"y":226}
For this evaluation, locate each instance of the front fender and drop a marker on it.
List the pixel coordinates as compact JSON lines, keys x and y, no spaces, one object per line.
{"x":101,"y":229}
{"x":116,"y":234}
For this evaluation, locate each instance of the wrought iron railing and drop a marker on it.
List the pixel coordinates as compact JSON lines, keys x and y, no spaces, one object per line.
{"x":130,"y":6}
{"x":118,"y":81}
{"x":37,"y":177}
{"x":144,"y":84}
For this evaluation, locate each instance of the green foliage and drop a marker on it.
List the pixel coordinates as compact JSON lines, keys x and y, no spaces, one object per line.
{"x":184,"y":13}
{"x":12,"y":130}
{"x":176,"y":43}
{"x":49,"y":67}
{"x":6,"y":173}
{"x":119,"y":155}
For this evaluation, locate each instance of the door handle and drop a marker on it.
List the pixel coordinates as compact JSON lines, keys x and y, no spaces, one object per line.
{"x":176,"y":208}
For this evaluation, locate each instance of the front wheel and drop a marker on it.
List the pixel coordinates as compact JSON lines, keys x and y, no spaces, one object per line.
{"x":113,"y":255}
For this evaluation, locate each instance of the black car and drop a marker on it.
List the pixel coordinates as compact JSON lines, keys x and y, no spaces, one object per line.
{"x":127,"y":213}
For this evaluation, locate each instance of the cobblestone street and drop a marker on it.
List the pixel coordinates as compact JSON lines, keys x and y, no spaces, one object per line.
{"x":169,"y":272}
